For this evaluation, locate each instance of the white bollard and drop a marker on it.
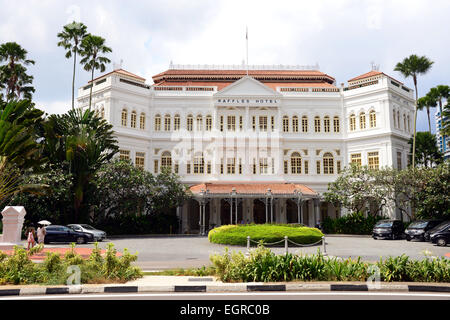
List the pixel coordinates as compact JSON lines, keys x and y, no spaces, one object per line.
{"x":324,"y":246}
{"x":286,"y":244}
{"x":248,"y":242}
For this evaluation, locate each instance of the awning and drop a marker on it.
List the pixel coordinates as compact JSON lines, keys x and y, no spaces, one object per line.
{"x":252,"y":190}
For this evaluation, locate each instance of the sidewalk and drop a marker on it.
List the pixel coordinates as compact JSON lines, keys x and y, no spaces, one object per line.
{"x":211,"y":284}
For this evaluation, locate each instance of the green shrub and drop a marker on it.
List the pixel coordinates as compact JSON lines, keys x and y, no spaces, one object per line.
{"x":268,"y":233}
{"x":354,"y":223}
{"x":19,"y":269}
{"x":263,"y":265}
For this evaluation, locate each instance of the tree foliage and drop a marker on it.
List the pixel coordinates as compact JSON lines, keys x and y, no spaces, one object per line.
{"x":427,"y":153}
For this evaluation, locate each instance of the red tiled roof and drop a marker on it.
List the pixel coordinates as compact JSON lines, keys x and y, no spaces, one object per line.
{"x":121,"y":72}
{"x":222,"y":84}
{"x":214,"y":75}
{"x":371,"y":74}
{"x":252,"y":188}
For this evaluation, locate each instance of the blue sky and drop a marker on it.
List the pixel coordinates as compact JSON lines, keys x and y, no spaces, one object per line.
{"x":343,"y":36}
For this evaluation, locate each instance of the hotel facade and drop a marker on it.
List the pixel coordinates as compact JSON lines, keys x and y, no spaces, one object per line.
{"x":257,"y":145}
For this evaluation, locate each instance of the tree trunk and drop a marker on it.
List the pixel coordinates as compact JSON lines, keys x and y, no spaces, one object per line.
{"x":415,"y":121}
{"x":429,"y":122}
{"x":92,"y":85}
{"x":73,"y":78}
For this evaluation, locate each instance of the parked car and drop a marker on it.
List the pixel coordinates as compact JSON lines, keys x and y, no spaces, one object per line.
{"x":99,"y":235}
{"x":435,"y":229}
{"x":441,"y":237}
{"x":57,"y":233}
{"x":388,"y":229}
{"x":417,"y":229}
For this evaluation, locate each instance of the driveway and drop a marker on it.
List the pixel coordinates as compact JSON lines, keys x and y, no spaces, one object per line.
{"x":157,"y":253}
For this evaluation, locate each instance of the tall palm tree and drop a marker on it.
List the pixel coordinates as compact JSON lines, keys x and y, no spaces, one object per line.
{"x":440,"y":93}
{"x":92,"y":49}
{"x":426,"y":102}
{"x":14,"y":71}
{"x":413,"y":66}
{"x":70,"y":39}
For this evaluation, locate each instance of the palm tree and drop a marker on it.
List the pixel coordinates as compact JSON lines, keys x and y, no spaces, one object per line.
{"x":70,"y":39}
{"x":92,"y":48}
{"x":440,"y":93}
{"x":413,"y":66}
{"x":14,"y":71}
{"x":426,"y":102}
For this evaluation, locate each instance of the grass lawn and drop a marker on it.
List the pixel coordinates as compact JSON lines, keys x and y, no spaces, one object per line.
{"x":268,"y":233}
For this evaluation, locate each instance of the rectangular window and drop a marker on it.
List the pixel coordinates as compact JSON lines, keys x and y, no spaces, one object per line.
{"x":338,"y":165}
{"x":208,"y":123}
{"x":176,"y":167}
{"x":199,"y":123}
{"x":176,"y":123}
{"x":306,"y":167}
{"x":188,"y":168}
{"x":158,"y":124}
{"x":318,"y":167}
{"x":373,"y":160}
{"x":336,"y":124}
{"x":199,"y":164}
{"x":263,"y":123}
{"x":295,"y":124}
{"x":240,"y":166}
{"x":190,"y":124}
{"x":272,"y":162}
{"x":231,"y":165}
{"x":221,"y":123}
{"x":263,"y":166}
{"x":399,"y":160}
{"x":272,"y":123}
{"x":286,"y":167}
{"x":352,"y":123}
{"x":124,"y":154}
{"x":156,"y":166}
{"x":254,"y":123}
{"x":304,"y":124}
{"x":208,"y":167}
{"x":140,"y":160}
{"x":166,"y":123}
{"x":221,"y":166}
{"x":254,"y":166}
{"x":317,"y":124}
{"x":231,"y":123}
{"x":285,"y":124}
{"x":326,"y":124}
{"x":241,"y":123}
{"x":356,"y":158}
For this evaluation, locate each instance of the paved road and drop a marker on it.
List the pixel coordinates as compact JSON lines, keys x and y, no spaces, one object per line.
{"x":157,"y":253}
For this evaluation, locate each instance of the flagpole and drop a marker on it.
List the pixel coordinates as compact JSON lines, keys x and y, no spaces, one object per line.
{"x":246,"y":40}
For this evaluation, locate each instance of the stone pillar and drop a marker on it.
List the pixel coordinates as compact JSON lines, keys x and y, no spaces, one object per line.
{"x":13,"y":218}
{"x":311,"y":213}
{"x":316,"y":211}
{"x":184,"y":217}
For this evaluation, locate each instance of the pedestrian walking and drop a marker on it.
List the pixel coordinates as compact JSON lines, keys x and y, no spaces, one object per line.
{"x":30,"y":237}
{"x":41,"y":232}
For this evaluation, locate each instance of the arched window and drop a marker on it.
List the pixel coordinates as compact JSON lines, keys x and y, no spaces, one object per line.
{"x":285,"y":124}
{"x":199,"y":123}
{"x":294,"y":124}
{"x":328,"y":163}
{"x":189,"y":123}
{"x":133,"y":119}
{"x":404,"y":122}
{"x":352,"y":122}
{"x":398,"y":119}
{"x":362,"y":120}
{"x":176,"y":122}
{"x":409,"y":124}
{"x":166,"y":160}
{"x":316,"y":124}
{"x":124,"y":117}
{"x":167,"y":122}
{"x":304,"y":124}
{"x":373,"y":119}
{"x":336,"y":124}
{"x":296,"y":163}
{"x":157,"y":122}
{"x":395,"y":120}
{"x":102,"y":113}
{"x":199,"y":163}
{"x":326,"y":124}
{"x":142,"y":121}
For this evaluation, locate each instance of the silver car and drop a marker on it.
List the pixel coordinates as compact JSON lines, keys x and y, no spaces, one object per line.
{"x":99,"y":235}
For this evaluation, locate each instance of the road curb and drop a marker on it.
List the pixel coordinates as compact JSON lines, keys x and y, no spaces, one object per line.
{"x":224,"y":287}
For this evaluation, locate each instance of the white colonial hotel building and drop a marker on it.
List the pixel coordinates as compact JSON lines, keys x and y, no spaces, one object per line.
{"x":257,"y":147}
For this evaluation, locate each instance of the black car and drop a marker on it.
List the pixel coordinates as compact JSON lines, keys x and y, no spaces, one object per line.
{"x":435,"y":229}
{"x":441,"y":237}
{"x":417,"y":229}
{"x":57,"y":233}
{"x":388,"y":229}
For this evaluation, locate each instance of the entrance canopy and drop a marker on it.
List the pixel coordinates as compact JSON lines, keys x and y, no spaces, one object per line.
{"x":253,"y":190}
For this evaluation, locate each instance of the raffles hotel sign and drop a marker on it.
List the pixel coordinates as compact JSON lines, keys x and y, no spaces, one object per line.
{"x":267,"y":102}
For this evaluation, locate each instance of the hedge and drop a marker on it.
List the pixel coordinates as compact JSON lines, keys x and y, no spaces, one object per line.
{"x":268,"y":233}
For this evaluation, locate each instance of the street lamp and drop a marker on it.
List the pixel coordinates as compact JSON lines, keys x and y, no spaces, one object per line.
{"x":299,"y":196}
{"x":269,"y":196}
{"x":233,"y":194}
